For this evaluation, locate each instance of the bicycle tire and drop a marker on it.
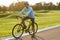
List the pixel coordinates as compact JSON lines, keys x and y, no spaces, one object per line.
{"x":20,"y":34}
{"x":35,"y":27}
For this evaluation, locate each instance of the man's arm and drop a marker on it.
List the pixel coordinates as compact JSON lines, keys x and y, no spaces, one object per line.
{"x":21,"y":11}
{"x":29,"y":11}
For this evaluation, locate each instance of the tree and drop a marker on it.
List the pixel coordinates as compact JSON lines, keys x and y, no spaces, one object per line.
{"x":37,"y":6}
{"x":0,"y":8}
{"x":16,"y":6}
{"x":58,"y":4}
{"x":50,"y":6}
{"x":45,"y":6}
{"x":12,"y":7}
{"x":19,"y":5}
{"x":3,"y":8}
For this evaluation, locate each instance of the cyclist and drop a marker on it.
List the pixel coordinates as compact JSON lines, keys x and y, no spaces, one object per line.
{"x":29,"y":14}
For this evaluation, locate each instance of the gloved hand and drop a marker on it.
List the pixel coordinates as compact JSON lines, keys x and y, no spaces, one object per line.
{"x":17,"y":16}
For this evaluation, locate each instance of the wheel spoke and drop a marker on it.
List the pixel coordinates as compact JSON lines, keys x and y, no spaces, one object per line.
{"x":17,"y":30}
{"x":33,"y":30}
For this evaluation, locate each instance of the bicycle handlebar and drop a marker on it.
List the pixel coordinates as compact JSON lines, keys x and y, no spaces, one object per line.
{"x":21,"y":18}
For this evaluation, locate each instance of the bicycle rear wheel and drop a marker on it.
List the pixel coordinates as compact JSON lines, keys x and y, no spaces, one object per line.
{"x":17,"y":31}
{"x":31,"y":29}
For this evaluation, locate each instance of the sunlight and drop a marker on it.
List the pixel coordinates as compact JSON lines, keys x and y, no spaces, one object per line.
{"x":8,"y":2}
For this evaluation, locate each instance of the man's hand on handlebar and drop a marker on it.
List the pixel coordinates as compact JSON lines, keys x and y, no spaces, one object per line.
{"x":20,"y":17}
{"x":24,"y":16}
{"x":17,"y":16}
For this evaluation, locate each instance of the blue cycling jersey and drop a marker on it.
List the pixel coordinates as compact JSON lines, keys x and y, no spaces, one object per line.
{"x":29,"y":12}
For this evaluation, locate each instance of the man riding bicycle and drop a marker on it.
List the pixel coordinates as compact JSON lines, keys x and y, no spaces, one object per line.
{"x":29,"y":14}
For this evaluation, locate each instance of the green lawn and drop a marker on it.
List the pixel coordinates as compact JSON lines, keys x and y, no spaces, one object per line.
{"x":43,"y":19}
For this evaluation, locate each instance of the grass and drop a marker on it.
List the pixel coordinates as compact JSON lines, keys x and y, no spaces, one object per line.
{"x":8,"y":20}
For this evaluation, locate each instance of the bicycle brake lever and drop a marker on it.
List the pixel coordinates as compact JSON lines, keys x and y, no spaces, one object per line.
{"x":17,"y":17}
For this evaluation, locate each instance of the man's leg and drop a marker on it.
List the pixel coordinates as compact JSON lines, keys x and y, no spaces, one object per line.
{"x":33,"y":29}
{"x":23,"y":22}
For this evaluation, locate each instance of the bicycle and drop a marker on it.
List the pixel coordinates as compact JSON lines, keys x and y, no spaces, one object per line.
{"x":19,"y":28}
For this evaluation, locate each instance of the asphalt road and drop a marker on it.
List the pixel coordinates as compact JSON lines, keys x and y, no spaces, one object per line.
{"x":52,"y":33}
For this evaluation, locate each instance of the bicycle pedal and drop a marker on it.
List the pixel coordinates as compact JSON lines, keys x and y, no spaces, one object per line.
{"x":24,"y":27}
{"x":26,"y":30}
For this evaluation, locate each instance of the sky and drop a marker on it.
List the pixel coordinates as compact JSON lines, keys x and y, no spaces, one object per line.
{"x":32,"y":2}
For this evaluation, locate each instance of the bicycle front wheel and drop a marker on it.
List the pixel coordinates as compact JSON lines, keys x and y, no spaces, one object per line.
{"x":17,"y":31}
{"x":33,"y":30}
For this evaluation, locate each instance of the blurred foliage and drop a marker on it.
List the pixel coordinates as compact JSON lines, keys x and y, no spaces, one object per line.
{"x":38,"y":6}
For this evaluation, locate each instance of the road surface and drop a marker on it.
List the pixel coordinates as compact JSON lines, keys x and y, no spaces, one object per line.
{"x":50,"y":33}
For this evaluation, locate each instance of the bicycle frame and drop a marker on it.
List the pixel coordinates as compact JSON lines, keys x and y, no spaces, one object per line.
{"x":21,"y":18}
{"x":28,"y":29}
